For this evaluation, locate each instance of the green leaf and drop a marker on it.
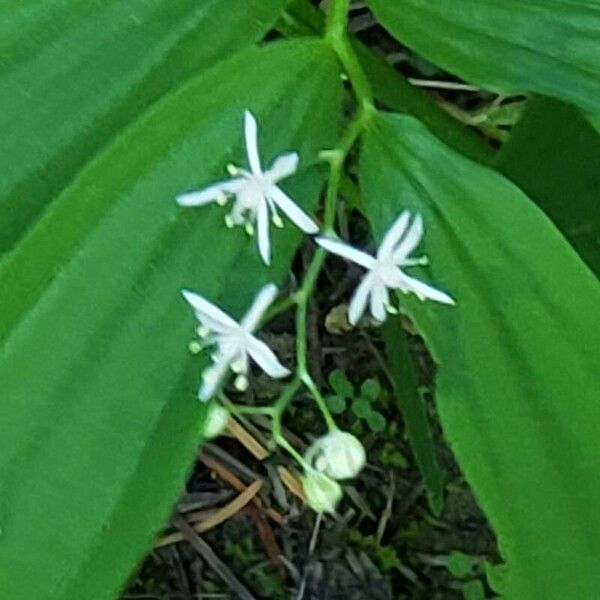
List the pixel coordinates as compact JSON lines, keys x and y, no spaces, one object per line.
{"x":390,"y":455}
{"x":361,"y":407}
{"x":388,"y":559}
{"x":473,"y":590}
{"x":459,"y":564}
{"x":371,"y":389}
{"x":550,"y":47}
{"x":376,"y":421}
{"x":99,"y":419}
{"x":414,"y":413}
{"x":560,"y":172}
{"x":73,"y":74}
{"x":336,"y":404}
{"x":518,"y":355}
{"x":340,"y":384}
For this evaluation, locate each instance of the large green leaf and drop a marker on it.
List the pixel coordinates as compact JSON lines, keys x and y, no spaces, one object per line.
{"x":73,"y":73}
{"x":560,"y":172}
{"x":519,"y":354}
{"x":99,"y":418}
{"x":551,"y":47}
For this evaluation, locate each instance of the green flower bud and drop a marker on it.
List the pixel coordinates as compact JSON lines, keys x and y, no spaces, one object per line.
{"x":216,"y":421}
{"x":322,"y":493}
{"x":339,"y":454}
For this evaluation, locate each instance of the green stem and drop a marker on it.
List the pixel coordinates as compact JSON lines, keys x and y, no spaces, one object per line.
{"x":278,"y":308}
{"x":277,"y":413}
{"x":391,"y":89}
{"x":336,"y":158}
{"x":336,"y":34}
{"x":285,"y":398}
{"x":307,"y":380}
{"x":337,"y":18}
{"x":240,"y":409}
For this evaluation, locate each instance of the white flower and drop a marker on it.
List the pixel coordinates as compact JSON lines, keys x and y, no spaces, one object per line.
{"x":234,"y":341}
{"x":256,"y":193}
{"x":384,"y":271}
{"x":338,"y":454}
{"x":322,"y":493}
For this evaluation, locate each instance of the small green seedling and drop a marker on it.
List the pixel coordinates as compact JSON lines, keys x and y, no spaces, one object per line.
{"x":361,"y":403}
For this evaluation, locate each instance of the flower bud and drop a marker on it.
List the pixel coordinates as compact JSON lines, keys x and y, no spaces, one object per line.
{"x":217,"y":418}
{"x":322,"y":493}
{"x":338,"y":454}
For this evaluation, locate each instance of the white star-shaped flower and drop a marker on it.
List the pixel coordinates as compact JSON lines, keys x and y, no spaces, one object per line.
{"x":257,"y":196}
{"x":384,"y":271}
{"x":234,"y":341}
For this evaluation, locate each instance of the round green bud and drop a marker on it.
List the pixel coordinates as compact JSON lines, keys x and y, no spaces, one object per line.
{"x":216,"y":421}
{"x":322,"y":493}
{"x":339,"y":454}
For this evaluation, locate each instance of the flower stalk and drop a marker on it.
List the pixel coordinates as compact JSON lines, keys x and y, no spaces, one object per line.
{"x":337,"y":36}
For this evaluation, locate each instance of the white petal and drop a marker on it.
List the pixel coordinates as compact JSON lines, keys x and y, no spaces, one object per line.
{"x":209,"y":314}
{"x":393,"y":235}
{"x":359,"y":299}
{"x":263,"y":299}
{"x":379,"y":301}
{"x":212,"y":377}
{"x":411,"y":240}
{"x":211,"y":193}
{"x":251,"y":137}
{"x":410,"y":284}
{"x":264,"y":357}
{"x":283,"y":166}
{"x":262,"y":234}
{"x":293,"y":211}
{"x":346,"y":251}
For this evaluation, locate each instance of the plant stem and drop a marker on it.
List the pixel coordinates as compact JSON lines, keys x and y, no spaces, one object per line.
{"x":391,"y":88}
{"x":321,"y":403}
{"x":336,"y":34}
{"x":277,"y":413}
{"x":241,"y":409}
{"x":336,"y":158}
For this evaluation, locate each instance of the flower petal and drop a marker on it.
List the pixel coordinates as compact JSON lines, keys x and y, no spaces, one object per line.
{"x":424,"y":291}
{"x":263,"y":299}
{"x":265,"y":358}
{"x":212,"y":378}
{"x":393,"y":235}
{"x":346,"y":251}
{"x":262,"y":234}
{"x":379,"y":301}
{"x":292,"y":210}
{"x":211,"y":193}
{"x":251,"y":137}
{"x":359,"y":299}
{"x":209,"y":314}
{"x":411,"y":240}
{"x":283,"y":166}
